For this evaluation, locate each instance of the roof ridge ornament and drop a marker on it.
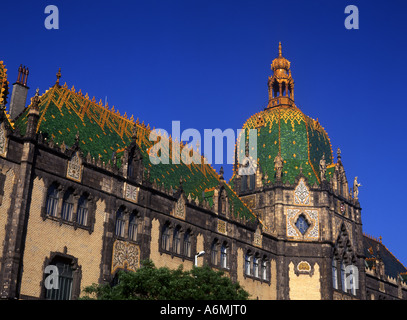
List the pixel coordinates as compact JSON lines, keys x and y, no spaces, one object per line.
{"x":58,"y":76}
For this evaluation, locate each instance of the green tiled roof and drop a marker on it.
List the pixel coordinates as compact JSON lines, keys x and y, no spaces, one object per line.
{"x":301,"y":140}
{"x":65,"y":113}
{"x":392,"y":266}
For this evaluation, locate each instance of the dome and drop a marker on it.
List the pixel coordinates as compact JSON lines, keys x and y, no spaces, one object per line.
{"x":284,"y":130}
{"x":301,"y":141}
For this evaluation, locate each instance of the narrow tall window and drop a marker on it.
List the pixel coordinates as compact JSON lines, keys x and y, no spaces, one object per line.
{"x":264,"y":269}
{"x":252,"y":180}
{"x":247,"y":262}
{"x":82,"y":214}
{"x":52,"y":200}
{"x":224,"y":256}
{"x":255,"y":267}
{"x":119,"y":231}
{"x":67,"y":206}
{"x":334,"y":274}
{"x":133,"y":227}
{"x":187,"y":243}
{"x":165,"y":238}
{"x":214,"y":252}
{"x":177,"y":240}
{"x":343,"y":277}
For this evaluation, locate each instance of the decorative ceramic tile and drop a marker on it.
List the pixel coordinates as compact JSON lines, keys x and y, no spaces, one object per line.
{"x":222,"y":226}
{"x":131,"y":192}
{"x":125,"y":255}
{"x":301,"y":193}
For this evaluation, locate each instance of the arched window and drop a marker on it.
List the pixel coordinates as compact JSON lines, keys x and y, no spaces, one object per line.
{"x":165,"y":238}
{"x":334,"y":274}
{"x":255,"y":266}
{"x":62,"y":276}
{"x":264,"y":269}
{"x":133,"y":227}
{"x":247,"y":264}
{"x":343,"y":277}
{"x":67,"y":205}
{"x":187,"y":243}
{"x":176,"y":244}
{"x":63,"y":289}
{"x":120,"y":222}
{"x":224,"y":255}
{"x":82,"y":213}
{"x":214,"y":252}
{"x":52,"y":200}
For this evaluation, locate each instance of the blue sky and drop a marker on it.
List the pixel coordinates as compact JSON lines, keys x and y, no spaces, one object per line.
{"x":206,"y":63}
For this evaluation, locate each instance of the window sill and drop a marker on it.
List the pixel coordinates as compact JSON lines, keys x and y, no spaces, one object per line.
{"x":73,"y":224}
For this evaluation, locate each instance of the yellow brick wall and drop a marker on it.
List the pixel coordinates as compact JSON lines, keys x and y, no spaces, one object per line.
{"x":256,"y":289}
{"x":8,"y":189}
{"x":304,"y":286}
{"x":44,"y":237}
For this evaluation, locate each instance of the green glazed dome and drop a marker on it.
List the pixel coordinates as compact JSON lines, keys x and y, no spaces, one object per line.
{"x":301,"y":140}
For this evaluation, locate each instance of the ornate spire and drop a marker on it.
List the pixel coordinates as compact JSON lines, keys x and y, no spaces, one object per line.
{"x":58,"y":76}
{"x":281,"y":83}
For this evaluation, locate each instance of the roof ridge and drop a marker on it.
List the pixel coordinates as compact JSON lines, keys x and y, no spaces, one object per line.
{"x":387,"y":249}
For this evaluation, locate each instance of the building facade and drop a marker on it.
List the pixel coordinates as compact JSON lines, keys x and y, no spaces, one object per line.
{"x":83,"y":189}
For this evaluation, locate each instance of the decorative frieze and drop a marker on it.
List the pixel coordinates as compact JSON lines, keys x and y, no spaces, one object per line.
{"x":180,"y":208}
{"x":74,"y":170}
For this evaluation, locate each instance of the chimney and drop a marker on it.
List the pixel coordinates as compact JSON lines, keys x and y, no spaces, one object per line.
{"x":19,"y":94}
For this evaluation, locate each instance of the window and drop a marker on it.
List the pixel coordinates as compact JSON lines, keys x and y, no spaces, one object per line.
{"x":82,"y":213}
{"x":52,"y":200}
{"x":187,"y":243}
{"x":252,"y":179}
{"x":247,"y":267}
{"x":119,"y":231}
{"x":65,"y":281}
{"x":244,"y":183}
{"x":302,"y":224}
{"x":133,"y":227}
{"x":224,"y":256}
{"x":177,"y":241}
{"x":255,"y":267}
{"x":214,"y":252}
{"x":334,"y":274}
{"x":165,"y":238}
{"x":343,"y":277}
{"x":264,"y":269}
{"x":67,"y":206}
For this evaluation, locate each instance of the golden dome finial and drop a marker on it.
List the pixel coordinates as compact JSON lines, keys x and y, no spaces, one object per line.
{"x":279,"y":50}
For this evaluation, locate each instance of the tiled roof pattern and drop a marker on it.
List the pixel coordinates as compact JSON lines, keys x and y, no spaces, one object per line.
{"x":300,"y":139}
{"x":102,"y":132}
{"x":393,"y":267}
